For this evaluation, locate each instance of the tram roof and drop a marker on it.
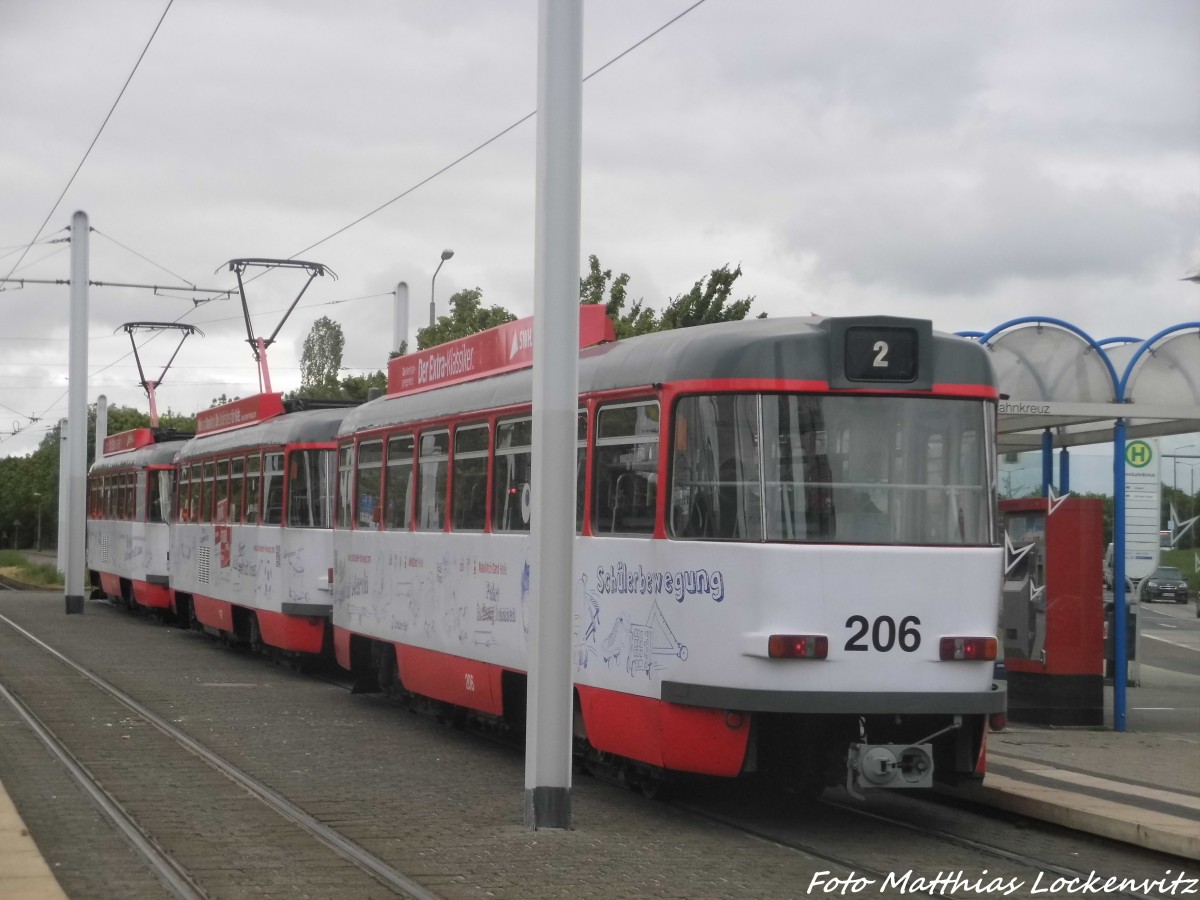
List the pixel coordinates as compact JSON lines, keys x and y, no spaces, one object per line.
{"x":305,"y":427}
{"x":794,"y":349}
{"x":159,"y":454}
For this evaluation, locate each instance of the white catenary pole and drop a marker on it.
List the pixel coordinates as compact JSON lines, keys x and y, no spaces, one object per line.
{"x":101,"y":426}
{"x":61,"y":558}
{"x":555,"y":400}
{"x":77,"y":417}
{"x":400,"y":316}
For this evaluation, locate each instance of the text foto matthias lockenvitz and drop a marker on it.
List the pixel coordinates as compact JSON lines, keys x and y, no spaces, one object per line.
{"x":960,"y":883}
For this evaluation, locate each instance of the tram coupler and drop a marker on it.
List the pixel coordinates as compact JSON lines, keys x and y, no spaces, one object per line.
{"x":888,"y":766}
{"x":893,"y":765}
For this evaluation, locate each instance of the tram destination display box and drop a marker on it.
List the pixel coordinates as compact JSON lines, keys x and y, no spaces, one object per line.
{"x":1052,"y":618}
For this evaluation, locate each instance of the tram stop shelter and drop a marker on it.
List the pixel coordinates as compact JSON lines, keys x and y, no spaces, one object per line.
{"x":1061,"y":388}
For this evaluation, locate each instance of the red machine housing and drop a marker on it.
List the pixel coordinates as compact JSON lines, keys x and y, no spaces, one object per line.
{"x":1052,"y":625}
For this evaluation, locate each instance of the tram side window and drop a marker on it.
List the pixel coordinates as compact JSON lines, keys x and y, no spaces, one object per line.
{"x":345,"y":490}
{"x":310,"y":488}
{"x":625,"y":484}
{"x":221,"y":492}
{"x":370,"y":485}
{"x":513,"y":475}
{"x":716,"y":471}
{"x":399,"y":482}
{"x":154,"y":487}
{"x":469,"y":505}
{"x":196,"y":496}
{"x":273,"y":489}
{"x":434,"y":466}
{"x":253,"y":488}
{"x":162,"y":492}
{"x":121,"y":504}
{"x":237,"y":488}
{"x":182,"y":487}
{"x":208,"y":478}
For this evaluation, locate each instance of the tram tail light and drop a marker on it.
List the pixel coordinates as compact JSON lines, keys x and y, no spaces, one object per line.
{"x":969,"y":648}
{"x":797,"y":646}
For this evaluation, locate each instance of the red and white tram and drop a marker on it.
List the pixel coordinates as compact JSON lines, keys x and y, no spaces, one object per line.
{"x":251,"y":546}
{"x":786,"y":555}
{"x":129,"y":508}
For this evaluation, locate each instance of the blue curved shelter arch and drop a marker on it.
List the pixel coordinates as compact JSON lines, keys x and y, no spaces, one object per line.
{"x":1147,"y":345}
{"x":1061,"y":323}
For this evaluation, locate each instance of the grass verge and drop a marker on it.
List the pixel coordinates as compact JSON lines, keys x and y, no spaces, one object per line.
{"x":14,"y":564}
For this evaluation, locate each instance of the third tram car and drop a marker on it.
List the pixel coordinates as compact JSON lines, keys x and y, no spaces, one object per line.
{"x":129,"y":511}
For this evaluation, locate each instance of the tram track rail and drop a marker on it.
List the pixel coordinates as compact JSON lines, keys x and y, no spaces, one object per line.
{"x":173,"y":874}
{"x":168,"y":869}
{"x":863,"y":867}
{"x":991,"y":850}
{"x":827,"y":839}
{"x":812,"y":850}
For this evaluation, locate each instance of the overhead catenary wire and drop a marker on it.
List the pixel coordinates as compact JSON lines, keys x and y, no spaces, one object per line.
{"x":362,"y":218}
{"x":190,"y":284}
{"x":446,"y":168}
{"x":14,"y":248}
{"x":99,"y":132}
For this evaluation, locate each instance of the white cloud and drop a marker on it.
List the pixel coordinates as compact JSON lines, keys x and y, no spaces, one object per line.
{"x":963,"y":163}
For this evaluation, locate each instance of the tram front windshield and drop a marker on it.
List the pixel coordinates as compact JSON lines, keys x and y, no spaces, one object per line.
{"x":832,"y":469}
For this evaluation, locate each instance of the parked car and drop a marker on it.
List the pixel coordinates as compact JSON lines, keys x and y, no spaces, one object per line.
{"x":1165,"y":583}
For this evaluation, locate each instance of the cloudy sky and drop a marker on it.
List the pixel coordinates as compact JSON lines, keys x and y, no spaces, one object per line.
{"x":966,"y":163}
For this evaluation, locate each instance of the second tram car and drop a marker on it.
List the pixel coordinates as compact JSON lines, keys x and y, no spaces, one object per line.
{"x":251,"y":547}
{"x":786,"y":560}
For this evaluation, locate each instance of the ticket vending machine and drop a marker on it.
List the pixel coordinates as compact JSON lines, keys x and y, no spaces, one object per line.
{"x":1052,"y":617}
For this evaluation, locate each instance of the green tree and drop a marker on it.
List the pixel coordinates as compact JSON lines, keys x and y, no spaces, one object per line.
{"x":321,"y":360}
{"x":467,"y":316}
{"x":358,"y":387}
{"x":598,"y":283}
{"x":707,"y":303}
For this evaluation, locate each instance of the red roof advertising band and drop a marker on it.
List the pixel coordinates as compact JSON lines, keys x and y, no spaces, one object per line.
{"x":124,"y":441}
{"x":504,"y":348}
{"x":239,"y":413}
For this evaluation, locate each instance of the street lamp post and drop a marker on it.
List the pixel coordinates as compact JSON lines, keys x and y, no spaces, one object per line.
{"x":446,"y":254}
